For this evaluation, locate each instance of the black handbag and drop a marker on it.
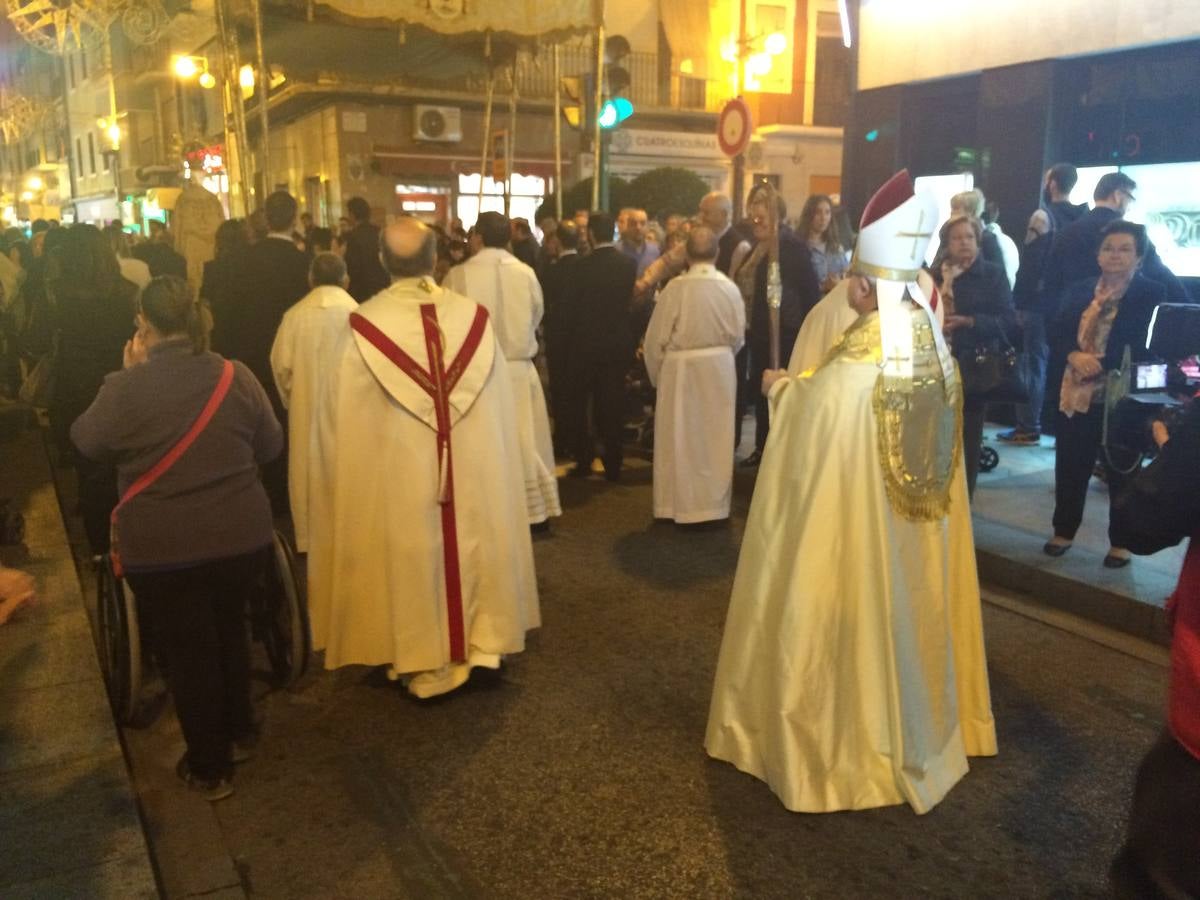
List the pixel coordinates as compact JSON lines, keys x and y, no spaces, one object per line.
{"x":990,"y":373}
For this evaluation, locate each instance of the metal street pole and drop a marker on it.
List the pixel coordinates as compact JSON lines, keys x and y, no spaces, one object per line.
{"x":739,"y":161}
{"x":511,"y":140}
{"x":114,"y":134}
{"x":264,"y":89}
{"x":230,"y":56}
{"x":487,"y":135}
{"x":558,"y":181}
{"x":599,"y":174}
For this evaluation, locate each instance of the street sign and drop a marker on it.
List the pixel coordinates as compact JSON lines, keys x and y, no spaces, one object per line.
{"x":733,"y":127}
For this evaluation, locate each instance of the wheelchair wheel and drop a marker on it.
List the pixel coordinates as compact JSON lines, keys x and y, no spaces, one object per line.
{"x":988,"y":459}
{"x":120,"y":641}
{"x":280,"y":617}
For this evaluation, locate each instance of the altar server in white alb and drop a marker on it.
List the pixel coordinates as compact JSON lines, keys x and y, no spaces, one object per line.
{"x":419,"y":555}
{"x":510,"y":292}
{"x":852,"y":672}
{"x":300,"y":358}
{"x":698,"y":325}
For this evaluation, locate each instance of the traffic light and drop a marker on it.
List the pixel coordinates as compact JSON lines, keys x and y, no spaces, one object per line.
{"x":614,"y":112}
{"x":579,"y":111}
{"x":579,"y":97}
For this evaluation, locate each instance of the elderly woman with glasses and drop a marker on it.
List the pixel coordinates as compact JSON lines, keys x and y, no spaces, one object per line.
{"x":1099,"y":319}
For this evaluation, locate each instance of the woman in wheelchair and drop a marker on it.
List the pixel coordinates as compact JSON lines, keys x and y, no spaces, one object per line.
{"x":1097,"y":320}
{"x":187,"y":431}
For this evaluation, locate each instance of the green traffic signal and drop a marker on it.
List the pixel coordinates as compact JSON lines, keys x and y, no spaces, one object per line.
{"x":614,"y":112}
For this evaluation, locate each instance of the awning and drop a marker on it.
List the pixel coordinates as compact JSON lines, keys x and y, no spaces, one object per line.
{"x":513,"y":19}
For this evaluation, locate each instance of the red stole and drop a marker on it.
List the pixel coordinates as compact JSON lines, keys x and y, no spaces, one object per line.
{"x":438,"y":381}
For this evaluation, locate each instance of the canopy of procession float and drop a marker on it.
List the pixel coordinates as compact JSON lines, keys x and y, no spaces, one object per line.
{"x":447,"y":40}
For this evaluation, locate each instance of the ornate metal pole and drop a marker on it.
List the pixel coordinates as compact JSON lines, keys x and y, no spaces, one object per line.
{"x":774,"y":279}
{"x":487,"y":123}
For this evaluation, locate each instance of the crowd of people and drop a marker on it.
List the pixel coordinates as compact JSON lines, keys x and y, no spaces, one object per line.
{"x":387,"y":383}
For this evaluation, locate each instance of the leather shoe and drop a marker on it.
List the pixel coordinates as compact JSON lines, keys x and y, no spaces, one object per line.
{"x":1056,"y":550}
{"x":1115,"y":562}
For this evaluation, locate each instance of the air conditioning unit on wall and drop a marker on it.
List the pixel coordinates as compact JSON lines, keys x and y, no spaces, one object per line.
{"x":437,"y":123}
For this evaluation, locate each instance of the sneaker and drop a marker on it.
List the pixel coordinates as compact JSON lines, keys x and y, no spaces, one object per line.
{"x":1020,"y":436}
{"x":211,"y":789}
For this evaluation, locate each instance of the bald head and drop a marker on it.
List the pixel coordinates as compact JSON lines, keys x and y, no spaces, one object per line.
{"x":408,"y":248}
{"x":716,"y":210}
{"x":701,"y":244}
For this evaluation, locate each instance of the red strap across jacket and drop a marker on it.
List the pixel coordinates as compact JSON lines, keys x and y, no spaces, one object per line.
{"x":172,"y":456}
{"x":438,"y":382}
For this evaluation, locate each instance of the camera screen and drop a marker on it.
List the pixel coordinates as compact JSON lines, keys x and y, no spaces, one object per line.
{"x":1150,"y":376}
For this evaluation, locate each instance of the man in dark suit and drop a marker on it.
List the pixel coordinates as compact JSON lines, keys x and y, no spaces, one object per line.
{"x":273,"y":276}
{"x":599,"y":346}
{"x":367,"y":277}
{"x":801,"y":292}
{"x":158,"y":255}
{"x":557,"y":278}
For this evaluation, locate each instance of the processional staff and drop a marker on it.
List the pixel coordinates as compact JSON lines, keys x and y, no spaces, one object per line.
{"x":774,"y":279}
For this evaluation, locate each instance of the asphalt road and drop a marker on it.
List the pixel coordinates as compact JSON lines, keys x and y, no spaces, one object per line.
{"x":579,"y":771}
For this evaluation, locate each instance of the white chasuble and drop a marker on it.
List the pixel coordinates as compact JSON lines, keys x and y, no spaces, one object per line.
{"x":510,"y":292}
{"x":699,"y":323}
{"x":420,"y":557}
{"x":300,"y":360}
{"x":852,"y":671}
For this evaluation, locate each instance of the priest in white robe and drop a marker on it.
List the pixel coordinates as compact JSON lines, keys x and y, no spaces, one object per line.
{"x":698,"y":324}
{"x":300,"y":359}
{"x":419,"y":556}
{"x":510,"y":292}
{"x":852,"y":671}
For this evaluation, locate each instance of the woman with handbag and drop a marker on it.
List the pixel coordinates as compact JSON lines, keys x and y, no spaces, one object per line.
{"x":187,"y":431}
{"x":979,"y":317}
{"x":1096,"y":322}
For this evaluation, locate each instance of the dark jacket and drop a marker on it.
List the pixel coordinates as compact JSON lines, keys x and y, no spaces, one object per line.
{"x":596,"y":310}
{"x":160,"y":259}
{"x":219,"y":286}
{"x":273,"y":276}
{"x":1129,"y":328}
{"x":209,"y":505}
{"x":1073,"y":258}
{"x":1028,"y":290}
{"x":367,"y":275}
{"x":982,"y":292}
{"x":92,"y":334}
{"x":556,"y":291}
{"x":1063,"y":212}
{"x":801,"y":292}
{"x":526,"y":251}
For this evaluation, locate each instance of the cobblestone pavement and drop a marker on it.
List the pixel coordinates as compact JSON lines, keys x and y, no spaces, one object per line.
{"x":579,"y":770}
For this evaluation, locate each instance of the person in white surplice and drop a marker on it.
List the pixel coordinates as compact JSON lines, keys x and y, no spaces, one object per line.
{"x":699,"y":323}
{"x":852,"y":671}
{"x":299,"y":359}
{"x":510,"y":292}
{"x":419,"y":556}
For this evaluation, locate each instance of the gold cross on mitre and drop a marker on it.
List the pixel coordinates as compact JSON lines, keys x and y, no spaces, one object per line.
{"x":916,"y":235}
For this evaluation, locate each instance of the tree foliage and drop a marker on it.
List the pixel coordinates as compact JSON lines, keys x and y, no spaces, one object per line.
{"x":579,"y":196}
{"x":667,"y":190}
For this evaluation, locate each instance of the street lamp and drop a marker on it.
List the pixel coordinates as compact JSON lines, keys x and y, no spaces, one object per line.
{"x":189,"y":67}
